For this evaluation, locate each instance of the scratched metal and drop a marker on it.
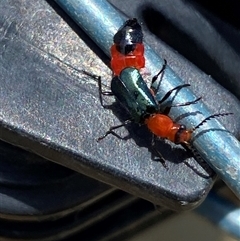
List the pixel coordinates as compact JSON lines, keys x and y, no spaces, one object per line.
{"x":50,"y":108}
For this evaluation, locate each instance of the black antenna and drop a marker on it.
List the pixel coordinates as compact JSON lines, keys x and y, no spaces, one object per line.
{"x":199,"y":160}
{"x":210,"y":117}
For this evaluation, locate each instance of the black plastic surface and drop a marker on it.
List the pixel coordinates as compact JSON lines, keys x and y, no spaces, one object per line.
{"x":51,"y":109}
{"x":34,"y":189}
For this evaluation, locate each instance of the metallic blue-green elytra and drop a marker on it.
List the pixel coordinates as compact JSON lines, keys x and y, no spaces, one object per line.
{"x":133,"y":93}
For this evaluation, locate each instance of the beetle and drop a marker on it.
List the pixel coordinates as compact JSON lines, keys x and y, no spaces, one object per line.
{"x":132,"y":92}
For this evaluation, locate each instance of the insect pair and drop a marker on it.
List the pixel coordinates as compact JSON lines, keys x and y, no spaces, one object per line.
{"x":136,"y":97}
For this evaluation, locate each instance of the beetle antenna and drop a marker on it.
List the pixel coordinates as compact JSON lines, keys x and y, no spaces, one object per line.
{"x":210,"y":117}
{"x":200,"y":161}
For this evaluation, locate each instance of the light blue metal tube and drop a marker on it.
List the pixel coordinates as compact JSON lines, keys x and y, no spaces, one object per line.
{"x":222,"y":213}
{"x":100,"y":20}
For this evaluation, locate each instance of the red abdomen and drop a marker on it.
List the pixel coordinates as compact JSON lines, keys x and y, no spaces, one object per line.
{"x":121,"y":61}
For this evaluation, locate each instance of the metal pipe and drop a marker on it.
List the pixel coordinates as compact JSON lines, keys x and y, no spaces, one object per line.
{"x":221,"y":212}
{"x":100,"y":20}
